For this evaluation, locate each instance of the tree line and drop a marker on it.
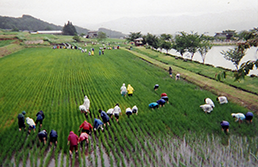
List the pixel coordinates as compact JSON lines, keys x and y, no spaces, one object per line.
{"x":193,"y":42}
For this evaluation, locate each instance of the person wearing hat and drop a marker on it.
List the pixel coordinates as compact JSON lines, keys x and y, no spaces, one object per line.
{"x":123,"y":90}
{"x":130,"y":90}
{"x":21,"y":120}
{"x":249,"y":116}
{"x":161,"y":102}
{"x":85,"y":107}
{"x":117,"y":112}
{"x":73,"y":141}
{"x":209,"y":101}
{"x":239,"y":117}
{"x":224,"y":126}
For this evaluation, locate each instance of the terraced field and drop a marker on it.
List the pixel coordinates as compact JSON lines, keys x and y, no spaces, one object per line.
{"x":178,"y":134}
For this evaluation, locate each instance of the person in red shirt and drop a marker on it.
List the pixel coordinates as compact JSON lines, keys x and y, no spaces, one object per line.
{"x":83,"y":137}
{"x":73,"y":141}
{"x":86,"y":127}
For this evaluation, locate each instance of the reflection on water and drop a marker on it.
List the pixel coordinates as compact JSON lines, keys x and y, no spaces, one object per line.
{"x":215,"y":58}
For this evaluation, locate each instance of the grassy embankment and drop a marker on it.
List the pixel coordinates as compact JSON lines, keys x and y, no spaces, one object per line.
{"x":175,"y":135}
{"x":191,"y":70}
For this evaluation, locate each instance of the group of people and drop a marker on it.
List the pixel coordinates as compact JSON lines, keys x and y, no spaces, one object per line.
{"x":129,"y":90}
{"x":161,"y":102}
{"x":209,"y":105}
{"x":170,"y":71}
{"x":42,"y":134}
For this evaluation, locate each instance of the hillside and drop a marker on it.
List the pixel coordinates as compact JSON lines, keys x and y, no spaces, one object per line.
{"x":27,"y":22}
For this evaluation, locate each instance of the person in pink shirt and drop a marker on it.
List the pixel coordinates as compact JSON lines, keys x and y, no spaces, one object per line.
{"x":73,"y":141}
{"x":83,"y":137}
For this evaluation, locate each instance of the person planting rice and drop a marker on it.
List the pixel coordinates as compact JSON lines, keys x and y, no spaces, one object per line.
{"x":73,"y":141}
{"x":123,"y":90}
{"x":110,"y":112}
{"x":130,"y":90}
{"x":156,"y":86}
{"x":84,"y":137}
{"x":21,"y":120}
{"x":177,"y":76}
{"x":239,"y":117}
{"x":249,"y":117}
{"x":117,"y":112}
{"x":31,"y":124}
{"x":104,"y":117}
{"x":40,"y":116}
{"x":154,"y":105}
{"x":170,"y":71}
{"x":165,"y":98}
{"x":135,"y":110}
{"x":225,"y":126}
{"x":209,"y":101}
{"x":43,"y":136}
{"x":53,"y":137}
{"x":85,"y":107}
{"x":161,"y":102}
{"x":163,"y":94}
{"x":98,"y":124}
{"x":207,"y":108}
{"x":222,"y":99}
{"x":128,"y":112}
{"x":86,"y":127}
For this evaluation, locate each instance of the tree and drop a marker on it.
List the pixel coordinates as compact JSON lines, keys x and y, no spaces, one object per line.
{"x":179,"y":44}
{"x":101,"y":36}
{"x":192,"y":43}
{"x":133,"y":35}
{"x":234,"y":55}
{"x":69,"y":29}
{"x":152,"y":40}
{"x":251,"y":40}
{"x":76,"y":38}
{"x":203,"y":49}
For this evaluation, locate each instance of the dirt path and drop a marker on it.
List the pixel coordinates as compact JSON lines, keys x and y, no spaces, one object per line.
{"x":234,"y":95}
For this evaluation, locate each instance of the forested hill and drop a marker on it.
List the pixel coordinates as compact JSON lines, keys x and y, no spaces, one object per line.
{"x":27,"y":22}
{"x":111,"y":33}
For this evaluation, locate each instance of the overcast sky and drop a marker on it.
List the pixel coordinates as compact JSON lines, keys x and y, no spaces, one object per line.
{"x":84,"y":12}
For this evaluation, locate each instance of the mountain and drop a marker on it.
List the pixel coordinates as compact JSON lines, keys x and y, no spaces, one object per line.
{"x":27,"y":22}
{"x":211,"y":23}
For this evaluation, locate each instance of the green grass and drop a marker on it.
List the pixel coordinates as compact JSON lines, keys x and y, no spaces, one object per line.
{"x":52,"y":80}
{"x":250,"y":84}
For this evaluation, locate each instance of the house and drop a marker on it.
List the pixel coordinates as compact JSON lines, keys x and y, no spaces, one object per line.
{"x":138,"y":41}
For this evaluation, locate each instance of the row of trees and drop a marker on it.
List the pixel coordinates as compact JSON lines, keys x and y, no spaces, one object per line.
{"x":193,"y":42}
{"x":182,"y":42}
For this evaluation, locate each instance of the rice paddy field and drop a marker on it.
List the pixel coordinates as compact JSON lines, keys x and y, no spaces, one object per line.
{"x":178,"y":134}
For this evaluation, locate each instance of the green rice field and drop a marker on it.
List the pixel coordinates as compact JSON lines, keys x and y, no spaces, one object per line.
{"x":178,"y":134}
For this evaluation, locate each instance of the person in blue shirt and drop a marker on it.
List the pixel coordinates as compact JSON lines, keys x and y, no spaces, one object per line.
{"x":97,"y":124}
{"x":154,"y":105}
{"x":40,"y":116}
{"x":43,"y":136}
{"x":161,"y":102}
{"x":225,"y":126}
{"x":104,"y":117}
{"x":249,"y":117}
{"x":53,"y":137}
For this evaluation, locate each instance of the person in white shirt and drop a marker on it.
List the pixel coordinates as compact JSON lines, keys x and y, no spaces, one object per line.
{"x":222,"y":99}
{"x":85,"y":107}
{"x":110,"y":112}
{"x":123,"y":90}
{"x":207,"y":108}
{"x":135,"y":110}
{"x":239,"y":117}
{"x":128,"y":112}
{"x":31,"y":124}
{"x":209,"y":101}
{"x":117,"y":112}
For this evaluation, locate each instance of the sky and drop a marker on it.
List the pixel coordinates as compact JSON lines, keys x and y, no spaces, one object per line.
{"x":85,"y":12}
